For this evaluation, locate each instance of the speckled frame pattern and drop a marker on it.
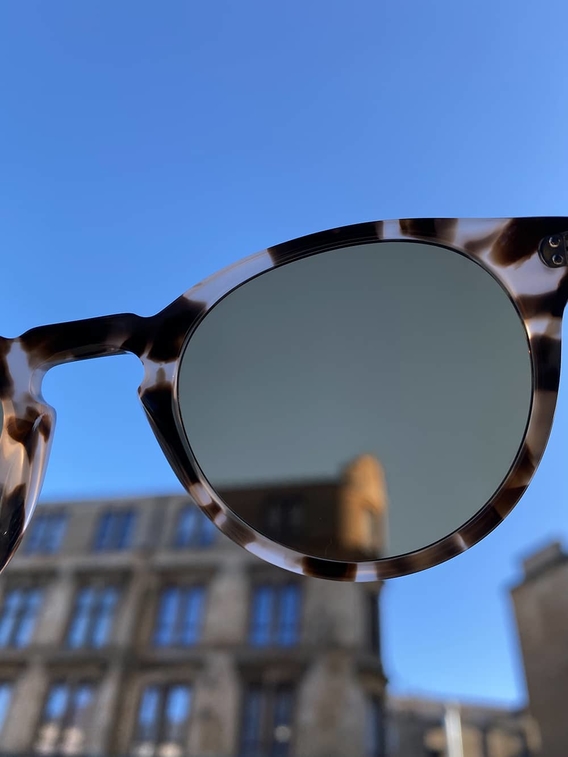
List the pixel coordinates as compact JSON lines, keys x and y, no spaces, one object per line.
{"x":506,"y":248}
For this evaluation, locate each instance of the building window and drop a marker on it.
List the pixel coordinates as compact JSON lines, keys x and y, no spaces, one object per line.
{"x":275,"y":617}
{"x":18,"y":616}
{"x":267,"y":721}
{"x":93,"y":616}
{"x":374,"y":728}
{"x":46,"y":533}
{"x":66,"y":717}
{"x":194,"y":529}
{"x":115,"y":530}
{"x":374,"y":622}
{"x":180,"y":616}
{"x":163,"y":720}
{"x":5,"y":700}
{"x":284,"y":515}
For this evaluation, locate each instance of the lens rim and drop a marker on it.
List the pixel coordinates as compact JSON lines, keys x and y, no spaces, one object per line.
{"x":508,"y":251}
{"x":26,"y":435}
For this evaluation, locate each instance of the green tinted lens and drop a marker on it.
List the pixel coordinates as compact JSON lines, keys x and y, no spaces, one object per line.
{"x":359,"y":403}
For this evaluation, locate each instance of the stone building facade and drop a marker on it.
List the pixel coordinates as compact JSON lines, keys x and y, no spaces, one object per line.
{"x":541,"y":608}
{"x":134,"y":627}
{"x":420,"y":726}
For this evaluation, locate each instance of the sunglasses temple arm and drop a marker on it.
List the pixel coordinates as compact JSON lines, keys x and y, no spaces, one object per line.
{"x":48,"y":346}
{"x":27,"y":421}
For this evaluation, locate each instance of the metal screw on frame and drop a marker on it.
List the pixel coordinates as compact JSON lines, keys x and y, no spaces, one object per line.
{"x":553,"y":250}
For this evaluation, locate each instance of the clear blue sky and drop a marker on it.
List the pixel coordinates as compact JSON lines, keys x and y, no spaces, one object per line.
{"x":144,"y":146}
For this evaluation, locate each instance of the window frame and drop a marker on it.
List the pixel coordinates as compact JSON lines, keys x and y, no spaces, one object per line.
{"x":265,"y":743}
{"x":202,"y":532}
{"x":159,"y":737}
{"x":98,"y":587}
{"x":40,"y":525}
{"x":279,"y":632}
{"x":113,"y":535}
{"x":184,"y":592}
{"x":22,"y":613}
{"x":284,"y":514}
{"x":71,"y":715}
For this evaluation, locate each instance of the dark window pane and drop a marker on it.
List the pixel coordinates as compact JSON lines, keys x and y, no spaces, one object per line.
{"x":267,"y":721}
{"x":191,"y":623}
{"x":252,"y":722}
{"x":262,"y":613}
{"x":374,"y":608}
{"x":289,"y":615}
{"x":374,"y":727}
{"x":281,"y":722}
{"x":283,"y":516}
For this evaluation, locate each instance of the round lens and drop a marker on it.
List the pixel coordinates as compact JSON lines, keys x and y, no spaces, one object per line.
{"x":359,"y":403}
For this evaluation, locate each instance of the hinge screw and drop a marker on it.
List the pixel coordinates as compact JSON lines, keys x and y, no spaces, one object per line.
{"x":553,"y":250}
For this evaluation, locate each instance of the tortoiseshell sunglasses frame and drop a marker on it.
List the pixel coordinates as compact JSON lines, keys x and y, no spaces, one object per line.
{"x":508,"y":249}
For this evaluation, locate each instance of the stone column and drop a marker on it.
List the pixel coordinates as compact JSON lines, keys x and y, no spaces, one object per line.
{"x":330,"y":709}
{"x":55,"y":611}
{"x":227,"y":607}
{"x":334,"y":614}
{"x":99,"y":732}
{"x":216,"y":707}
{"x":127,"y":622}
{"x":18,"y":735}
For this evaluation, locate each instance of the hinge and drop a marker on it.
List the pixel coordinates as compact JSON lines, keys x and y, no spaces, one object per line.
{"x":553,"y":250}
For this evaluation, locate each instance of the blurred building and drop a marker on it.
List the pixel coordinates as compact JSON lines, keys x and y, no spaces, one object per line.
{"x":423,"y":726}
{"x":133,"y":627}
{"x":541,"y":608}
{"x":345,"y":518}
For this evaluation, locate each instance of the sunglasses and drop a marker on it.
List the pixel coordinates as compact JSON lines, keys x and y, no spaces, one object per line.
{"x":357,"y":404}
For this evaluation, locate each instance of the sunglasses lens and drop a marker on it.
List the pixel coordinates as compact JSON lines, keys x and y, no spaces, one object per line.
{"x":360,"y":403}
